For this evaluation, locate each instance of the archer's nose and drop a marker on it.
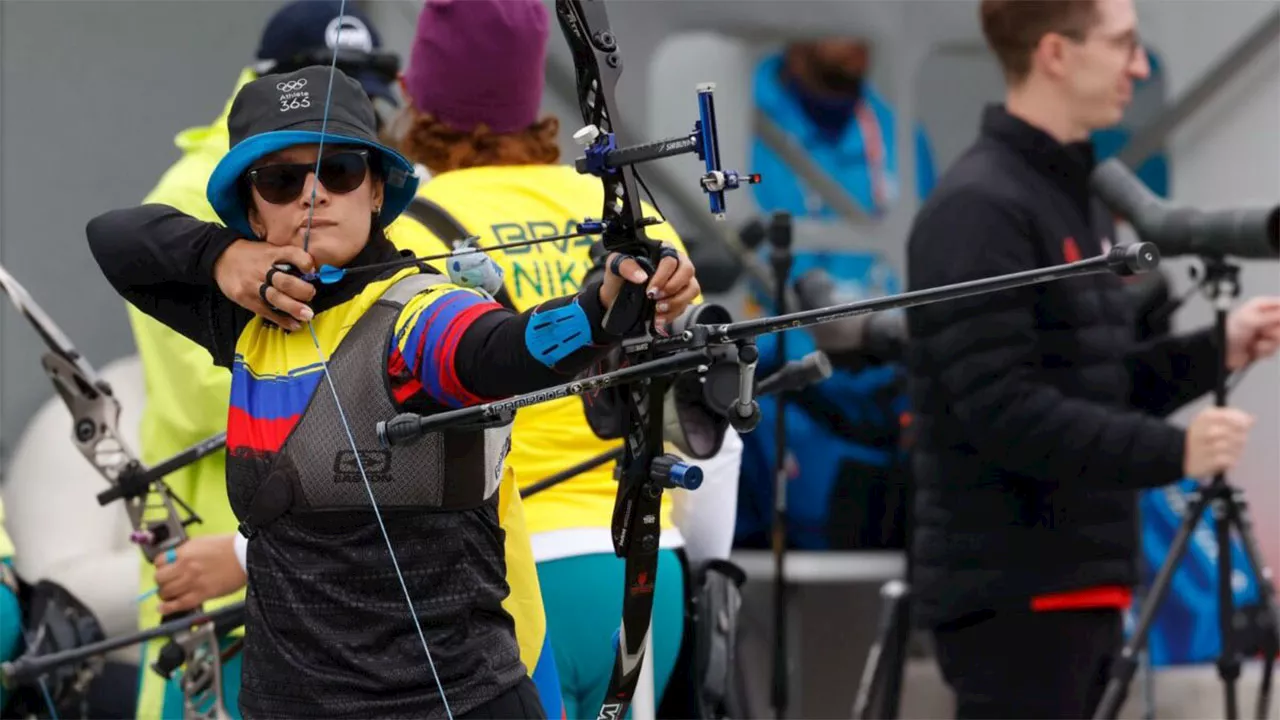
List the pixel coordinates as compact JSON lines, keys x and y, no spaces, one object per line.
{"x":310,"y":186}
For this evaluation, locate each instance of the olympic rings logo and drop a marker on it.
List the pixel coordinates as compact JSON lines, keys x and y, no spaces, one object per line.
{"x":291,"y":85}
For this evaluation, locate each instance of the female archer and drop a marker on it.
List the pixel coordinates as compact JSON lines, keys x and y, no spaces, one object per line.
{"x":375,"y":576}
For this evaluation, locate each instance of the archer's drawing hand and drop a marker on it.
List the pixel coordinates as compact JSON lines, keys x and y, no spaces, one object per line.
{"x":241,"y":272}
{"x":673,"y":284}
{"x":204,"y":568}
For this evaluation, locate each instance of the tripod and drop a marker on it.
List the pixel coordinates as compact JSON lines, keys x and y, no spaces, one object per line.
{"x":1221,"y":283}
{"x":781,"y":260}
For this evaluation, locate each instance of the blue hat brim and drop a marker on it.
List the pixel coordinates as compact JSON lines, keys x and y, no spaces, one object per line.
{"x":400,"y":186}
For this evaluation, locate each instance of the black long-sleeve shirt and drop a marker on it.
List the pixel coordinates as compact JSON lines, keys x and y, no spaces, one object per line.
{"x":1045,"y":382}
{"x":162,"y":261}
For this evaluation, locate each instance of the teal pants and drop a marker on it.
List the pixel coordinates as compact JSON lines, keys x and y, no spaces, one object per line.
{"x":583,"y":600}
{"x":10,"y":629}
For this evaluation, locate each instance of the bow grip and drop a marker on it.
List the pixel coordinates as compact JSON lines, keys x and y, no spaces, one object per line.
{"x":631,"y":307}
{"x":171,"y":656}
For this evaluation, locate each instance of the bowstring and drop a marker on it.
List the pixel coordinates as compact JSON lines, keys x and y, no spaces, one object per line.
{"x":324,"y":364}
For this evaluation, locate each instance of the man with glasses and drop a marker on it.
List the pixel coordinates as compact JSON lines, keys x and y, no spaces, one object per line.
{"x":1037,"y":415}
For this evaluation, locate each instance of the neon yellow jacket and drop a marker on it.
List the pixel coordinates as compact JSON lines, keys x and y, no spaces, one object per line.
{"x":188,"y":398}
{"x":6,"y":545}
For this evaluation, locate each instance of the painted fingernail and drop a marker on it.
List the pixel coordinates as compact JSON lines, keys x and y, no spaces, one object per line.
{"x":652,"y":293}
{"x":639,"y":276}
{"x":662,"y":307}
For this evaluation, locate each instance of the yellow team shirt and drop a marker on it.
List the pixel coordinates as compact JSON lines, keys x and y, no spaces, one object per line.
{"x":509,"y":204}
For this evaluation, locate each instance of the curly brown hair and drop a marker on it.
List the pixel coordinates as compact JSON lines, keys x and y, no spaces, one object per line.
{"x":441,"y":148}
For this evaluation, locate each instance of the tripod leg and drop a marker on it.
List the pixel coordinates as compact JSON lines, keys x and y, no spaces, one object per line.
{"x":1123,"y":668}
{"x":884,"y":652}
{"x":898,"y":668}
{"x":1229,"y":660}
{"x":1147,"y":669}
{"x":1270,"y":645}
{"x":1148,"y":687}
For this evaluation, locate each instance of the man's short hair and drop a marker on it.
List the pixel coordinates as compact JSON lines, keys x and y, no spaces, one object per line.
{"x":1013,"y":28}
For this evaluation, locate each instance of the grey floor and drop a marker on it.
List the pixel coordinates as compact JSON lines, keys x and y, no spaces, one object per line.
{"x":831,"y":628}
{"x":1183,"y":693}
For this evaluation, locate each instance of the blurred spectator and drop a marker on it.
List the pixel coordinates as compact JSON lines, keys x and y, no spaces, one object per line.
{"x":818,"y":92}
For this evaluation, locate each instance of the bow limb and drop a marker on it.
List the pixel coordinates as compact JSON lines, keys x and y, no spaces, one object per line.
{"x":598,"y":65}
{"x":155,"y":513}
{"x":636,"y":525}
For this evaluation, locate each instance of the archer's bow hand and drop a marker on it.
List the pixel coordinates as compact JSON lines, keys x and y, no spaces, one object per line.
{"x":673,"y":285}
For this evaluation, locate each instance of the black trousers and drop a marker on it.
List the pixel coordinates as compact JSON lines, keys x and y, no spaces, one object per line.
{"x":1029,"y":664}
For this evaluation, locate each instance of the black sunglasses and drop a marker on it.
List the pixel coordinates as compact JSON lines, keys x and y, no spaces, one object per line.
{"x":282,"y":183}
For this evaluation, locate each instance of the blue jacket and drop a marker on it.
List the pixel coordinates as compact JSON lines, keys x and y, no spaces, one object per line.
{"x":843,"y":432}
{"x":845,"y":161}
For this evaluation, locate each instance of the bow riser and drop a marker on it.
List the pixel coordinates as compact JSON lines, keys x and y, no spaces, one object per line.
{"x":202,"y":681}
{"x":643,"y":471}
{"x":95,"y":418}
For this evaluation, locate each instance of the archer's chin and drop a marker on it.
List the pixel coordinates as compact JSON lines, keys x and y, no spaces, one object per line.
{"x":333,"y":246}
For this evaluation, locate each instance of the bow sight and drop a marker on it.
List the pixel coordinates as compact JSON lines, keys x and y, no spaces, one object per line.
{"x":603,"y":156}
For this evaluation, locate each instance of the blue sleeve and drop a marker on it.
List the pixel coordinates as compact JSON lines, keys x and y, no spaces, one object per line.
{"x":925,"y":171}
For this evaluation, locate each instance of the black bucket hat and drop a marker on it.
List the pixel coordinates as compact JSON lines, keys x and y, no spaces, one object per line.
{"x":275,"y":112}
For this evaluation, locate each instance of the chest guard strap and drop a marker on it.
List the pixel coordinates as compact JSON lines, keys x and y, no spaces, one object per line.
{"x":316,"y":470}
